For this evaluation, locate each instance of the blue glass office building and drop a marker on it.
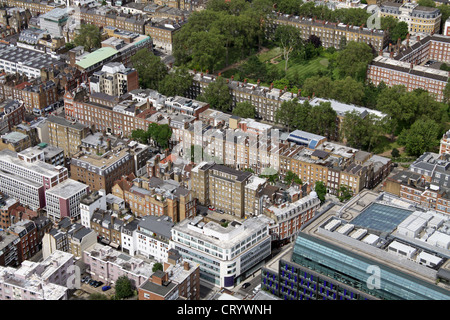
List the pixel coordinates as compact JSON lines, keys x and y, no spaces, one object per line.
{"x":319,"y":270}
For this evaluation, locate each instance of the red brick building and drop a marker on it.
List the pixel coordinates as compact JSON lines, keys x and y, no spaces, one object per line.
{"x":29,"y":244}
{"x":35,"y":96}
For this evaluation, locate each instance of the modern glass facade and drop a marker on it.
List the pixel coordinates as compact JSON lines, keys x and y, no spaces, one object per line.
{"x":321,"y":270}
{"x":293,"y":282}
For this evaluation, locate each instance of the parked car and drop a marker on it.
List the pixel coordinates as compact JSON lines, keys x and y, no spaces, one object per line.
{"x":106,"y":288}
{"x":92,"y":282}
{"x":246,"y":285}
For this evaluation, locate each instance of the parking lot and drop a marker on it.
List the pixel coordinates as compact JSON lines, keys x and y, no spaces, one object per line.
{"x":88,"y":287}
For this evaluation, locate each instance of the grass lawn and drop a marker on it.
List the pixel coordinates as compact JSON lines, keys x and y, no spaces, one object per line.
{"x":267,"y":55}
{"x":302,"y":69}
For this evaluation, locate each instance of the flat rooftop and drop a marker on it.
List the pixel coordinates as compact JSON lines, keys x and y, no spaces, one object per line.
{"x":39,"y":167}
{"x":67,"y":188}
{"x":336,"y":225}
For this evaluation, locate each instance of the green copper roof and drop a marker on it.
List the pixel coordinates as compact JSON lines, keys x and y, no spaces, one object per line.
{"x":97,"y":56}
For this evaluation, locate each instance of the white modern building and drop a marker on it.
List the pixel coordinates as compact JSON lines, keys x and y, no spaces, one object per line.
{"x":89,"y":203}
{"x":63,"y":200}
{"x":28,"y":181}
{"x":225,"y":253}
{"x":54,"y":21}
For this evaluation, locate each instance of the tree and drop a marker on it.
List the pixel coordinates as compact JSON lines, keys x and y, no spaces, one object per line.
{"x":69,"y":45}
{"x":389,"y":102}
{"x":351,"y":16}
{"x":217,"y":94}
{"x":395,"y":153}
{"x":321,"y":190}
{"x":388,"y":23}
{"x":140,"y":135}
{"x":361,"y":132}
{"x":150,"y":68}
{"x":288,"y":38}
{"x":212,"y":37}
{"x":291,"y":177}
{"x":244,"y":110}
{"x":445,"y":12}
{"x":124,"y":288}
{"x":315,"y":40}
{"x":446,"y":93}
{"x":404,"y":108}
{"x":284,"y":114}
{"x":318,"y":86}
{"x":288,"y":6}
{"x":89,"y":37}
{"x":353,"y":60}
{"x":344,"y":193}
{"x":399,"y":31}
{"x":253,"y":68}
{"x":348,"y":90}
{"x":176,"y":83}
{"x":426,"y":3}
{"x":322,"y":120}
{"x":157,"y":266}
{"x":262,"y":10}
{"x":228,"y":26}
{"x":161,"y":134}
{"x":423,"y":136}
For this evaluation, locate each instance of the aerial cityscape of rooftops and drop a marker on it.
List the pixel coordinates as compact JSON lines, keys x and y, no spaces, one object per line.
{"x":246,"y":150}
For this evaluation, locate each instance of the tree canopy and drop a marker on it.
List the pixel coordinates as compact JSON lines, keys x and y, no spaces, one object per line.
{"x":288,"y":38}
{"x":291,"y":177}
{"x":217,"y":94}
{"x":89,"y":37}
{"x":123,"y":287}
{"x":158,"y":134}
{"x":319,"y":119}
{"x":221,"y":33}
{"x":176,"y":83}
{"x":321,"y":190}
{"x":353,"y":60}
{"x":150,"y":68}
{"x":244,"y":110}
{"x":361,"y":132}
{"x":423,"y":136}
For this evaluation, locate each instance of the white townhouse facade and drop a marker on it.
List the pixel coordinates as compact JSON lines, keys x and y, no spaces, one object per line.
{"x":151,"y":237}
